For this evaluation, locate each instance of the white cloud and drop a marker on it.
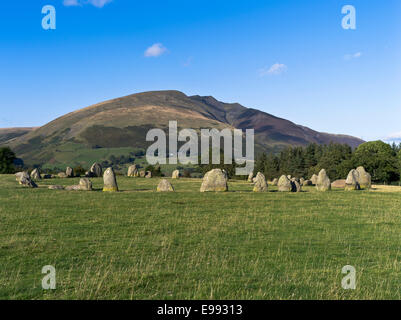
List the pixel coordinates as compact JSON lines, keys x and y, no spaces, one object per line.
{"x":155,"y":50}
{"x":394,"y":137}
{"x":96,"y":3}
{"x":275,"y":69}
{"x":99,"y":3}
{"x":353,"y":56}
{"x":69,"y":3}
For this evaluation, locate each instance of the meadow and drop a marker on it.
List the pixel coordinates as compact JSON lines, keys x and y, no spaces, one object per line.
{"x":140,"y":244}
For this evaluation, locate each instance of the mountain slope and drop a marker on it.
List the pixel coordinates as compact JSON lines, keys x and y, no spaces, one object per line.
{"x":124,"y":122}
{"x":10,"y":133}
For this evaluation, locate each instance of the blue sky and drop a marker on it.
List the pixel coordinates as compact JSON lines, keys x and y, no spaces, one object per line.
{"x":289,"y":58}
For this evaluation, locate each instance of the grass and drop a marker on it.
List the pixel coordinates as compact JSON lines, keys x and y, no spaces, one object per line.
{"x":73,"y":154}
{"x":139,"y":244}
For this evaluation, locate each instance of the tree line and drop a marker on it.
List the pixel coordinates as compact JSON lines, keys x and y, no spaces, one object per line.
{"x":381,"y":160}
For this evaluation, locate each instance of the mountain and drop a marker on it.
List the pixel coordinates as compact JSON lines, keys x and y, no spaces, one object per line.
{"x":10,"y":133}
{"x":118,"y":126}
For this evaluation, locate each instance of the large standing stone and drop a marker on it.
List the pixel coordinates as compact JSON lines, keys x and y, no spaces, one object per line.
{"x":24,"y":179}
{"x":250,"y":177}
{"x":20,"y":175}
{"x":175,"y":174}
{"x":165,"y":186}
{"x":323,"y":182}
{"x":365,"y":179}
{"x":352,"y":181}
{"x":85,"y":184}
{"x":96,"y":170}
{"x":314,"y":179}
{"x":35,"y":174}
{"x":148,"y":174}
{"x":142,"y":174}
{"x":260,"y":183}
{"x":284,"y":184}
{"x":133,"y":171}
{"x":109,"y":180}
{"x":214,"y":180}
{"x":69,"y":172}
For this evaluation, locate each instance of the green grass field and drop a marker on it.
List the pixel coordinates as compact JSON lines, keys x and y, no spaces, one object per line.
{"x":139,"y":244}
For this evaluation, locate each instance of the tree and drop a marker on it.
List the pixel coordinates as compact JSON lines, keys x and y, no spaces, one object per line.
{"x":260,"y":164}
{"x":379,"y":159}
{"x":272,"y":167}
{"x":7,"y":157}
{"x":79,"y":171}
{"x":155,"y":170}
{"x":336,"y":160}
{"x":399,"y":160}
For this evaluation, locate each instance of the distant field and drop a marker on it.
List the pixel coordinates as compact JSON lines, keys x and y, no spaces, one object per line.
{"x":72,"y":154}
{"x":139,"y":244}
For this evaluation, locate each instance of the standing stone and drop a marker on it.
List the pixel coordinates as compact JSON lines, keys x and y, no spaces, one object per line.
{"x":96,"y":170}
{"x":142,"y":174}
{"x":20,"y":175}
{"x":85,"y":184}
{"x":25,"y":180}
{"x":133,"y":171}
{"x":176,"y":174}
{"x":35,"y":174}
{"x":250,"y":177}
{"x":148,"y":174}
{"x":323,"y":182}
{"x":109,"y":181}
{"x":284,"y":184}
{"x":301,"y":181}
{"x":289,"y":177}
{"x":340,"y":184}
{"x":365,"y":179}
{"x":296,"y":186}
{"x":214,"y":180}
{"x":314,"y":179}
{"x":352,"y":181}
{"x":260,"y":183}
{"x":69,"y":172}
{"x":275,"y":182}
{"x":62,"y":175}
{"x":164,"y":186}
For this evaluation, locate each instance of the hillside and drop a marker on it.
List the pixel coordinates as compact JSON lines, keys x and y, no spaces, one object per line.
{"x":10,"y":133}
{"x":121,"y":124}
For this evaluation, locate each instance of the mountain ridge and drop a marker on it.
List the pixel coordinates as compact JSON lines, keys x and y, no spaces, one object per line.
{"x":123,"y":123}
